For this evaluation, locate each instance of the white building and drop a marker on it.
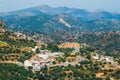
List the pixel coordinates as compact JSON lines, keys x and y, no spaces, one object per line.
{"x":57,"y":54}
{"x":42,"y":59}
{"x":103,"y":58}
{"x":109,"y":59}
{"x":96,"y":57}
{"x":27,"y":63}
{"x":43,"y":56}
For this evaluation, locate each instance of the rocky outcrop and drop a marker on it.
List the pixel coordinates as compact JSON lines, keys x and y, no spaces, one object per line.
{"x":2,"y":24}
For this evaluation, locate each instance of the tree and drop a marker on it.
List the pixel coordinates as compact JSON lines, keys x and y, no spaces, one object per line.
{"x":37,"y":50}
{"x":42,"y":47}
{"x":88,"y":56}
{"x":52,"y":47}
{"x":105,"y":72}
{"x":82,"y":50}
{"x":93,"y":75}
{"x":108,"y":78}
{"x":117,"y":74}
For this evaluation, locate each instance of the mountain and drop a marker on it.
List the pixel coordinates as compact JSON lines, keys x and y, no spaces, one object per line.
{"x":48,"y":19}
{"x":45,"y":9}
{"x":27,"y":23}
{"x":46,"y":23}
{"x":106,"y":41}
{"x":104,"y":25}
{"x":61,"y":22}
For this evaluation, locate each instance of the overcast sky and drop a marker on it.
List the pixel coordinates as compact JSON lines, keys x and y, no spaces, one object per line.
{"x":91,"y":5}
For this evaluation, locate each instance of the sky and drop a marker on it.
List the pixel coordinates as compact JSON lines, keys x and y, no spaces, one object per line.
{"x":91,"y":5}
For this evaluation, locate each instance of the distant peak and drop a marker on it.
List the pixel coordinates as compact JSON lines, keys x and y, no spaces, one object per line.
{"x":45,"y":6}
{"x":64,"y":7}
{"x":100,"y":10}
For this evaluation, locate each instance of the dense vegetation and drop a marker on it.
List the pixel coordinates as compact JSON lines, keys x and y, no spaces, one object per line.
{"x":11,"y":38}
{"x":14,"y":72}
{"x":86,"y":71}
{"x":14,"y":46}
{"x":105,"y":41}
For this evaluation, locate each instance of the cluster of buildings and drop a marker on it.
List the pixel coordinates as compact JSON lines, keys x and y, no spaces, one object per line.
{"x":40,"y":60}
{"x":103,"y":58}
{"x":45,"y":57}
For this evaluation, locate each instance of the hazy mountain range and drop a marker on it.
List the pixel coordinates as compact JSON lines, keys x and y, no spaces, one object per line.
{"x":47,"y":19}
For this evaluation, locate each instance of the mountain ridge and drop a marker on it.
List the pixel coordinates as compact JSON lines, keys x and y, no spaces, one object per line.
{"x":46,"y":20}
{"x":34,"y":11}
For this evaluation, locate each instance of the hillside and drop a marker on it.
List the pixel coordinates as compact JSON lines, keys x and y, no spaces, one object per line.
{"x":45,"y":23}
{"x":105,"y":41}
{"x":14,"y":45}
{"x":12,"y":37}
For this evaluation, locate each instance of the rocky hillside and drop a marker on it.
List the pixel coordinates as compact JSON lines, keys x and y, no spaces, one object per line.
{"x":13,"y":38}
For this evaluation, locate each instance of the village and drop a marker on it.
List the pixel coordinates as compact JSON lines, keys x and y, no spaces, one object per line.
{"x":48,"y":58}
